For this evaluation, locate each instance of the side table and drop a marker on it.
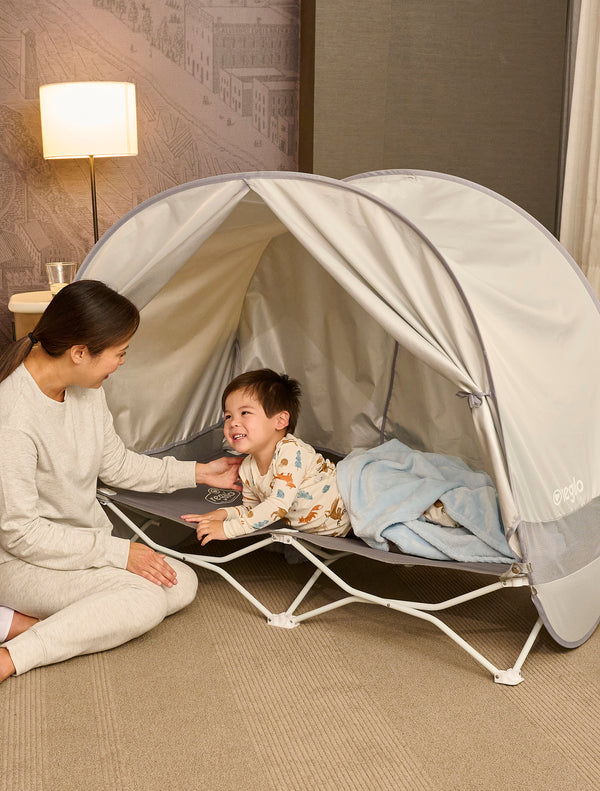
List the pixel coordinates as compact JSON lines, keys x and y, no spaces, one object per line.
{"x":27,"y":309}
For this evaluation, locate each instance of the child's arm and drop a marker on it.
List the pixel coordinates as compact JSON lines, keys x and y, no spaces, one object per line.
{"x":289,"y":472}
{"x":210,"y":524}
{"x":249,"y":500}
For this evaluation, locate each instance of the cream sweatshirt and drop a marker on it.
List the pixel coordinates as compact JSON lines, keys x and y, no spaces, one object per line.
{"x":51,"y":455}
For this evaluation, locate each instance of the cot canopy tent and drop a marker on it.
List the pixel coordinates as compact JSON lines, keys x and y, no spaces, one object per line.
{"x":386,"y":294}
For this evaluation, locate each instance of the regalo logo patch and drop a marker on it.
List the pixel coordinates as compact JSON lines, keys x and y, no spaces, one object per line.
{"x":567,"y":493}
{"x":222,"y":496}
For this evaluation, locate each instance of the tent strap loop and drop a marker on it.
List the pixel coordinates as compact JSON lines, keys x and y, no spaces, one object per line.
{"x":475,"y":399}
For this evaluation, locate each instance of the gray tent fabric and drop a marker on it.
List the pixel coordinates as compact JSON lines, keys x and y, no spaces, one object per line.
{"x":386,"y":294}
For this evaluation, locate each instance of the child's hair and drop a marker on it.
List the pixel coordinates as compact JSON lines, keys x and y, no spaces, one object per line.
{"x":274,"y":392}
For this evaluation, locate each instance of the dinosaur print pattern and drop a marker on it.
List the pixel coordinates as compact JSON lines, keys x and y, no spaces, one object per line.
{"x":336,"y":510}
{"x":299,"y":488}
{"x":312,"y":514}
{"x":286,"y":477}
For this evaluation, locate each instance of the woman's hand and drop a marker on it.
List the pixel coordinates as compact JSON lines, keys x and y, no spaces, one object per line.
{"x":149,"y":564}
{"x":222,"y":473}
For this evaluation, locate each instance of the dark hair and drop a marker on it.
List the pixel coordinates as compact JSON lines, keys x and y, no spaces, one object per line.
{"x":86,"y":312}
{"x":274,"y":392}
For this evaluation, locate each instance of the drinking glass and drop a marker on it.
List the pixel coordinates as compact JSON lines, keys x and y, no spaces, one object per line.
{"x":60,"y":274}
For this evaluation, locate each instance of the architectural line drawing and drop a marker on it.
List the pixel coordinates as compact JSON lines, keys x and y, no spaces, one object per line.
{"x":217,"y":92}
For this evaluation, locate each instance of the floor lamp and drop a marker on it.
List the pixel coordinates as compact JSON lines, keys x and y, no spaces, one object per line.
{"x":88,"y":120}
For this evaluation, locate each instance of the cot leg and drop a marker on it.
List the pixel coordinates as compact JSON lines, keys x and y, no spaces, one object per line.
{"x":512,"y":676}
{"x":287,"y":620}
{"x":146,"y":526}
{"x":420,"y":610}
{"x":203,"y":562}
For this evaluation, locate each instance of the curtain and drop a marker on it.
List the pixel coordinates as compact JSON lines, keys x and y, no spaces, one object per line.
{"x":580,"y":218}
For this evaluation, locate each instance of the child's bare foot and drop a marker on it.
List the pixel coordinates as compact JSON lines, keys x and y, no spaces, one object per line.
{"x":6,"y":665}
{"x":20,"y":623}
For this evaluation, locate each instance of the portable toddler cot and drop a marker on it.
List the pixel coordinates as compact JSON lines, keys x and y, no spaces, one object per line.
{"x":409,"y":304}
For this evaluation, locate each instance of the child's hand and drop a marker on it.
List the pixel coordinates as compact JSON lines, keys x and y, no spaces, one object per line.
{"x":210,"y":525}
{"x":208,"y":530}
{"x":211,"y":516}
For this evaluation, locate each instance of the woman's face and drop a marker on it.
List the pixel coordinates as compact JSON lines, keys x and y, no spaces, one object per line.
{"x":97,"y":368}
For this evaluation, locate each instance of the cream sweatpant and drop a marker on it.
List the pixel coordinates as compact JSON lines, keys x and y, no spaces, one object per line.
{"x":85,"y":611}
{"x":6,"y":617}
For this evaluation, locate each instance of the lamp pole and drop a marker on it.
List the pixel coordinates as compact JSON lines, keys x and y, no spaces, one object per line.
{"x":94,"y":206}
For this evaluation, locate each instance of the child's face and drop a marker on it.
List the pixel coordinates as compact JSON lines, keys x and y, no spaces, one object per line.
{"x":247,"y":428}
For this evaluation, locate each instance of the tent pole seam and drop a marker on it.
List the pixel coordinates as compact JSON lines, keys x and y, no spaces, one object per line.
{"x":389,"y":395}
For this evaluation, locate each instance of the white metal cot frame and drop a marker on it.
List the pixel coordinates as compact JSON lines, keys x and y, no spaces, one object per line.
{"x":322,"y":552}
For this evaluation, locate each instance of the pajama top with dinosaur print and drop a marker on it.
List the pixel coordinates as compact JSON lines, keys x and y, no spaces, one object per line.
{"x":300,"y":488}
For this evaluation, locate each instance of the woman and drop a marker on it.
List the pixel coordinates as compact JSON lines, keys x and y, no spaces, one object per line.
{"x":74,"y":587}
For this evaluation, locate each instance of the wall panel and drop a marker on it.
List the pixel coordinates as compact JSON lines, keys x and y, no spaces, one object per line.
{"x":468,"y":87}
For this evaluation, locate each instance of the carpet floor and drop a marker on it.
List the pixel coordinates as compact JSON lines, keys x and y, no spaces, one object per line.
{"x":358,"y":698}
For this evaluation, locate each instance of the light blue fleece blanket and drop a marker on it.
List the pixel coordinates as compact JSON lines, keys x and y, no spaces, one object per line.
{"x":386,"y":490}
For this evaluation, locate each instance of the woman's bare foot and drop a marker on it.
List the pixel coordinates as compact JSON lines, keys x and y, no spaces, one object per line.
{"x":20,"y":623}
{"x":6,"y":665}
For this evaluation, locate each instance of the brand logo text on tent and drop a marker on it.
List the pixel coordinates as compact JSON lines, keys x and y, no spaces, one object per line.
{"x":569,"y":492}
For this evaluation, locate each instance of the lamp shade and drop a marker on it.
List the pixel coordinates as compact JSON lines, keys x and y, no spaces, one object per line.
{"x":81,"y":119}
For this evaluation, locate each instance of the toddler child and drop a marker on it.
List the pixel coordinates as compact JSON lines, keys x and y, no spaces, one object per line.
{"x":283,"y":477}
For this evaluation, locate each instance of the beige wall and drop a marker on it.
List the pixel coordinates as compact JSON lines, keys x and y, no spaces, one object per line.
{"x":469,"y":87}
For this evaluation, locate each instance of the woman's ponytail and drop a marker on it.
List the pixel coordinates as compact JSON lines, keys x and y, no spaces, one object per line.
{"x":15,"y":354}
